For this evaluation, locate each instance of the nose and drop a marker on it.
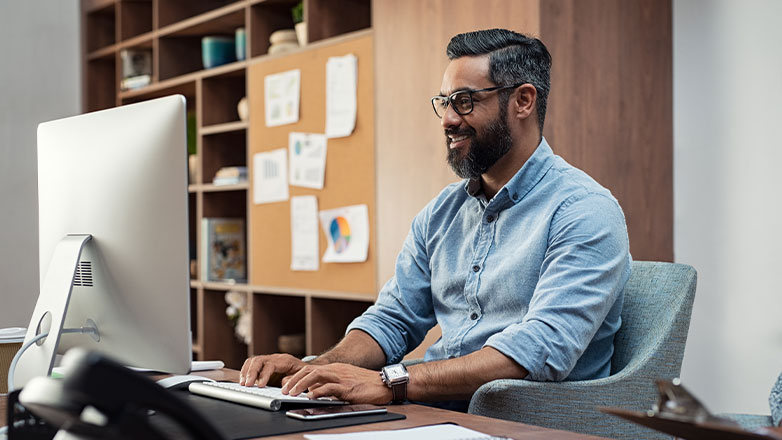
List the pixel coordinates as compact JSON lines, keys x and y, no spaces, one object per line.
{"x":450,"y":118}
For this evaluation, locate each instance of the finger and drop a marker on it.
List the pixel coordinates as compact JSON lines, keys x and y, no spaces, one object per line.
{"x":294,"y":379}
{"x":328,"y":390}
{"x":245,"y":367}
{"x":265,"y":374}
{"x":252,"y":372}
{"x":320,"y":375}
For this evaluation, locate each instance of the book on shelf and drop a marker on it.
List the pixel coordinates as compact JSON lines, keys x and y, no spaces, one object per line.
{"x":135,"y":82}
{"x":230,"y":176}
{"x":136,"y":68}
{"x":223,"y":256}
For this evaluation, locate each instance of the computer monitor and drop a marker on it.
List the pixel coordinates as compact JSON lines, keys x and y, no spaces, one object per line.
{"x":113,"y":238}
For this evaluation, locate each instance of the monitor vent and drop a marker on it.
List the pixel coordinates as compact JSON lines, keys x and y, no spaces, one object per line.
{"x":83,"y":276}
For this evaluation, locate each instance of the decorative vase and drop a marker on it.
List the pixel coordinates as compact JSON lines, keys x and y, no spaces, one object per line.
{"x":243,"y":109}
{"x":301,"y":33}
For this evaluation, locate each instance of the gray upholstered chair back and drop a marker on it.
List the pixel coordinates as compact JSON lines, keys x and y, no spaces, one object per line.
{"x":658,"y":301}
{"x":656,"y":313}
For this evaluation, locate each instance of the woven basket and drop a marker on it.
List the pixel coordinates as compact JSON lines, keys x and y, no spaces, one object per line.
{"x":7,"y":352}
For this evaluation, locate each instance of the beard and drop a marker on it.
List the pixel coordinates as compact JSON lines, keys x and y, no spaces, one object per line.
{"x":484,"y":150}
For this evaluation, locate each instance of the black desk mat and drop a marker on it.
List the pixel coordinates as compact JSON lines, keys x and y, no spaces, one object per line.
{"x":237,"y":421}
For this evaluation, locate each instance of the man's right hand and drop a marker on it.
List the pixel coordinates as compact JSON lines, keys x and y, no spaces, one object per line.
{"x":258,"y":369}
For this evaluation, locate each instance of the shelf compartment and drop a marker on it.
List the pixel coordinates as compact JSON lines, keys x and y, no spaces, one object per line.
{"x":100,"y":27}
{"x":209,"y":188}
{"x":173,"y":11}
{"x":101,"y":78}
{"x":326,"y":18}
{"x":135,"y":18}
{"x":222,"y":150}
{"x":273,"y":316}
{"x":220,"y":95}
{"x":265,"y":18}
{"x":218,"y":340}
{"x":329,"y":318}
{"x":222,"y":21}
{"x":225,"y":204}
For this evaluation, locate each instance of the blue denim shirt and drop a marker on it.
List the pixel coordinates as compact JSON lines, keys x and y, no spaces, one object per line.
{"x":537,"y":273}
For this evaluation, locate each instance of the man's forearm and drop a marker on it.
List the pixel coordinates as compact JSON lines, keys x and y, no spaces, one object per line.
{"x":459,"y":378}
{"x":356,"y":348}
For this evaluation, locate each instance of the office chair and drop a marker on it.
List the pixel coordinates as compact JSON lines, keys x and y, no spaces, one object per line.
{"x":658,"y":301}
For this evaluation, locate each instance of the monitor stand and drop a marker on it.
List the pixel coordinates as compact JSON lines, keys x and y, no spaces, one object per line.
{"x":49,"y":314}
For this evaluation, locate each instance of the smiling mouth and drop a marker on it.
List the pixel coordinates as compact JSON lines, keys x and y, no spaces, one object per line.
{"x":457,"y":141}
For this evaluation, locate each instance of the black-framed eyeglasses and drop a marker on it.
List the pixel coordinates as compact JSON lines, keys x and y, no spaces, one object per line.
{"x":461,"y":101}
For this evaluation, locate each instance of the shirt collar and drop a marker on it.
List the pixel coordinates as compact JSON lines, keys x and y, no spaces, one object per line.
{"x":525,"y":179}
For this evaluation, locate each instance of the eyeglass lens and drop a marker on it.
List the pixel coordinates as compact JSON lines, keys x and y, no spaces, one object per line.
{"x":461,"y":102}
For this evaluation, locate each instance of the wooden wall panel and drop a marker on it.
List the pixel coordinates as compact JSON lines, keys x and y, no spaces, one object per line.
{"x":611,"y":106}
{"x":410,"y":41}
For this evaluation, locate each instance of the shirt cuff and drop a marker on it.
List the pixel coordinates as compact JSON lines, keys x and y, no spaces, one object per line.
{"x":525,"y":348}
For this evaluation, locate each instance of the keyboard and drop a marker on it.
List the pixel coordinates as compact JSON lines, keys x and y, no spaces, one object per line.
{"x":269,"y":398}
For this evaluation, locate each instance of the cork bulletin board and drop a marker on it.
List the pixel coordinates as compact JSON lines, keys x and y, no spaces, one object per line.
{"x":350,"y":169}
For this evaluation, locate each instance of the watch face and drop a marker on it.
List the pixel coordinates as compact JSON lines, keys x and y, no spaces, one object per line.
{"x":395,"y":371}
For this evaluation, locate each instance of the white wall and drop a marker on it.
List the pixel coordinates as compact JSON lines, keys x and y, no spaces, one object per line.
{"x":727,"y":192}
{"x":39,"y":81}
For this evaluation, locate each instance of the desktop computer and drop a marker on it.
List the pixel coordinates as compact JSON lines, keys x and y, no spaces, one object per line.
{"x":113,"y":239}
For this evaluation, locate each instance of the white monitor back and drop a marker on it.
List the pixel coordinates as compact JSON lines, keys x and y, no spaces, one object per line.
{"x":120,"y":175}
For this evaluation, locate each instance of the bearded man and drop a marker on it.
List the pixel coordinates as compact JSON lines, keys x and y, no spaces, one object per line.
{"x":522,"y":264}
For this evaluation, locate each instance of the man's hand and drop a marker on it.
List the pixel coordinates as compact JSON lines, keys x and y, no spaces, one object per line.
{"x":259,"y":369}
{"x":343,"y":381}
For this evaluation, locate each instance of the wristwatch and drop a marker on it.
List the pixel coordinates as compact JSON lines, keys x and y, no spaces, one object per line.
{"x":396,"y":377}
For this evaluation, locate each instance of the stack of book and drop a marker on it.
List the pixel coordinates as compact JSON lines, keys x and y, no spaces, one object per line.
{"x":230,"y":176}
{"x":136,"y":68}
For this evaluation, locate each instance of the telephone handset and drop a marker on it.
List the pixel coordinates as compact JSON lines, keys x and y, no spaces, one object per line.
{"x":99,"y":398}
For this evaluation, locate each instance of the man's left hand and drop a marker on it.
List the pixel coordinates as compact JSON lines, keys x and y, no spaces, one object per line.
{"x":343,"y":381}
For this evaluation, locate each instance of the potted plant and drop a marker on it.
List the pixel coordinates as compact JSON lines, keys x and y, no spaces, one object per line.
{"x":300,"y":25}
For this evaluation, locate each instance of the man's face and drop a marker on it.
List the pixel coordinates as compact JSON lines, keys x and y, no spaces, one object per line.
{"x":477,"y":140}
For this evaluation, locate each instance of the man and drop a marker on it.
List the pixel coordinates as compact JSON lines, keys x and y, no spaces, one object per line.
{"x":522,"y":265}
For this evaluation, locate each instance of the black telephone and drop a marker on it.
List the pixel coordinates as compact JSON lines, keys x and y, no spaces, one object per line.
{"x":101,"y":399}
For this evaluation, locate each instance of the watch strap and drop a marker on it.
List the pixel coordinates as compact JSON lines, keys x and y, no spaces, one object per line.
{"x":399,"y":392}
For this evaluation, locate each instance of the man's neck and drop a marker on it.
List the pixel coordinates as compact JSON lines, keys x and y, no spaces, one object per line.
{"x":501,"y":172}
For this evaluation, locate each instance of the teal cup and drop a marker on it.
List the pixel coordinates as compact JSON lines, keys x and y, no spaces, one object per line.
{"x":241,"y":44}
{"x":217,"y":50}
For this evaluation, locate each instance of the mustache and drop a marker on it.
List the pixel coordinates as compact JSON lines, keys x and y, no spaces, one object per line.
{"x":467,"y":131}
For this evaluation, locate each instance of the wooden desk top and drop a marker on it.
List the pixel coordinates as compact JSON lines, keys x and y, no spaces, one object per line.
{"x":417,"y":415}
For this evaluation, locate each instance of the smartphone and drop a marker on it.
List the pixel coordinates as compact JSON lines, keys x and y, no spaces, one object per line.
{"x":330,"y":412}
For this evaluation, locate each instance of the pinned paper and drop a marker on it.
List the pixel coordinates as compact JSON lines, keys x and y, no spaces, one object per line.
{"x":282,"y":92}
{"x":307,"y":154}
{"x":305,"y":246}
{"x":347,"y":231}
{"x":341,"y":79}
{"x":270,"y":176}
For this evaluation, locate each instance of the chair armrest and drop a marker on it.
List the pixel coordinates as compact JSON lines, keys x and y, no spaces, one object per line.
{"x":571,"y":406}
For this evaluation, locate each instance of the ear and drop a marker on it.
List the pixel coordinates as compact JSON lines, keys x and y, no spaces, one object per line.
{"x":523,"y":102}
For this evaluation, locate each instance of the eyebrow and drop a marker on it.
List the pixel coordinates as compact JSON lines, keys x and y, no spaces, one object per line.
{"x":462,"y":89}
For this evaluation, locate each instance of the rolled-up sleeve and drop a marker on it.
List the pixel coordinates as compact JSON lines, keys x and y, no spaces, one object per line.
{"x":583,"y":273}
{"x":403,"y":312}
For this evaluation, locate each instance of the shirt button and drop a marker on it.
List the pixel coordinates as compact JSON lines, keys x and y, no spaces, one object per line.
{"x":476,"y":268}
{"x":474,"y":316}
{"x":490,"y":218}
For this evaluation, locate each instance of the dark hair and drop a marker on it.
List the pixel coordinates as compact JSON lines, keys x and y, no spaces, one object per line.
{"x":513,"y":58}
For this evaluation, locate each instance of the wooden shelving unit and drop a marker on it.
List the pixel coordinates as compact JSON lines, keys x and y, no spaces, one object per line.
{"x":172,"y":30}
